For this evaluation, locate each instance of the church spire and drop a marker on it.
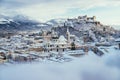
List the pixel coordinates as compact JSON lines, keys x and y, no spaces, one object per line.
{"x":68,"y":35}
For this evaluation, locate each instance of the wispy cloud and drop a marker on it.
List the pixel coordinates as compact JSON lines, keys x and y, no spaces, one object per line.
{"x":65,"y":3}
{"x":46,"y":9}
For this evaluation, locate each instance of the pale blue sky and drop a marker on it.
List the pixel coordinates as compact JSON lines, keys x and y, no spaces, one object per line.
{"x":106,"y":11}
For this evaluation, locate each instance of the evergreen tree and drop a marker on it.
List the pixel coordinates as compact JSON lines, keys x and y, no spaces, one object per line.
{"x":73,"y":46}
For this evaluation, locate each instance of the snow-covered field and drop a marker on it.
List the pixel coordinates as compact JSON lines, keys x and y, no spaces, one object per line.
{"x":89,"y":67}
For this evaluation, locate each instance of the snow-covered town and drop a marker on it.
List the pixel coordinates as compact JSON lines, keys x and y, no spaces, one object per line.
{"x":51,"y":45}
{"x":59,"y":39}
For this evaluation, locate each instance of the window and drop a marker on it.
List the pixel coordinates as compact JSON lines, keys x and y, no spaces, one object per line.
{"x":63,"y":50}
{"x":57,"y":50}
{"x":50,"y":49}
{"x":50,"y":45}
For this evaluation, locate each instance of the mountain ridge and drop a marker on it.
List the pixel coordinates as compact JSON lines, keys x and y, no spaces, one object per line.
{"x":77,"y":25}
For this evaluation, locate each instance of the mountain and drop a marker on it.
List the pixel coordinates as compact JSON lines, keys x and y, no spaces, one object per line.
{"x":56,"y":22}
{"x":116,"y":27}
{"x":19,"y":23}
{"x":77,"y":26}
{"x":84,"y":25}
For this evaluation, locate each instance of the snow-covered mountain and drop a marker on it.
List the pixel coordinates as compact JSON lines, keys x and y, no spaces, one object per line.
{"x":56,"y":22}
{"x":77,"y":25}
{"x":19,"y":23}
{"x":116,"y":26}
{"x":83,"y":25}
{"x":5,"y":19}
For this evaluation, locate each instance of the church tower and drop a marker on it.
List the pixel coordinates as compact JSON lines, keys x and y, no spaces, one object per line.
{"x":44,"y":33}
{"x":68,"y":35}
{"x":53,"y":32}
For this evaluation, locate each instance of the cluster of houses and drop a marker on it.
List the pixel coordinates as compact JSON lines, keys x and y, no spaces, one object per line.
{"x":28,"y":47}
{"x":31,"y":46}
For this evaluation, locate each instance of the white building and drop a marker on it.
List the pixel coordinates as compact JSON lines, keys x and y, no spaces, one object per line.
{"x":59,"y":44}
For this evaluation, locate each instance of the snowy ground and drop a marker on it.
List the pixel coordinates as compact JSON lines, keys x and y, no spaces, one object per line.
{"x":89,"y":67}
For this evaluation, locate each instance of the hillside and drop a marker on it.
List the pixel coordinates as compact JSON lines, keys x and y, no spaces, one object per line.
{"x":77,"y":25}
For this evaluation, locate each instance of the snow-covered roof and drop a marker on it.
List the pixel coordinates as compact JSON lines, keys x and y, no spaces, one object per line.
{"x":1,"y":57}
{"x":76,"y":52}
{"x":3,"y":51}
{"x":111,"y":38}
{"x":72,"y":35}
{"x":61,"y":40}
{"x":117,"y":40}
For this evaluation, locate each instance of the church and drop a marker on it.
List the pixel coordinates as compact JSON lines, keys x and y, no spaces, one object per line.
{"x":59,"y":44}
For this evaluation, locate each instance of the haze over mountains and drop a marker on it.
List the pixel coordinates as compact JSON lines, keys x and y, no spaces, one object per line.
{"x":116,"y":26}
{"x":24,"y":23}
